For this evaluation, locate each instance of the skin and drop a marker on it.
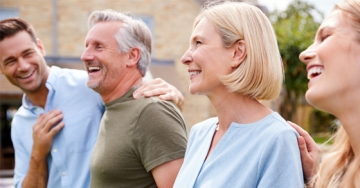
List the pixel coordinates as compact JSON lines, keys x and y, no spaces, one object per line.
{"x":335,"y":50}
{"x":210,"y":59}
{"x":117,"y":73}
{"x":206,"y":55}
{"x":23,"y":64}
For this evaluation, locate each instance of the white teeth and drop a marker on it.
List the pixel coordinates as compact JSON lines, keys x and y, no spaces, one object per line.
{"x":26,"y":76}
{"x":94,"y":68}
{"x":314,"y":71}
{"x":194,"y":73}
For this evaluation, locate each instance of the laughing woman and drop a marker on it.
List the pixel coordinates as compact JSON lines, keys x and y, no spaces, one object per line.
{"x":233,"y":59}
{"x":333,"y":64}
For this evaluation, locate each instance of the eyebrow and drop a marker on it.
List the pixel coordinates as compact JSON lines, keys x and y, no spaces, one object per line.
{"x":12,"y":57}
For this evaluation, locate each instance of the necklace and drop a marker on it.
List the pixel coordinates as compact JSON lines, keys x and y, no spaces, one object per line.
{"x":217,"y":126}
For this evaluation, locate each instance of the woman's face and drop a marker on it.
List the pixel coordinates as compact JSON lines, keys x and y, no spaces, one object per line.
{"x":206,"y":58}
{"x":333,"y":64}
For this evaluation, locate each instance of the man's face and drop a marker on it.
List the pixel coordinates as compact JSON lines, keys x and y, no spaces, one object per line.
{"x":22,"y":62}
{"x":102,"y":58}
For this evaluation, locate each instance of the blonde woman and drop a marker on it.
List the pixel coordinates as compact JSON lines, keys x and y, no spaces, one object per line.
{"x":233,"y":59}
{"x":333,"y":64}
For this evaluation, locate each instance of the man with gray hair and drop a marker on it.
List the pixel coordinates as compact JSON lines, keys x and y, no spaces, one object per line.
{"x":141,"y":142}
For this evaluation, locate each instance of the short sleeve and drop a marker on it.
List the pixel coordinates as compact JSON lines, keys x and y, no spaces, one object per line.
{"x":280,"y":164}
{"x":160,"y":135}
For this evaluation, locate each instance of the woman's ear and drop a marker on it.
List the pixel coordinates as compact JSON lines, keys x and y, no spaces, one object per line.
{"x":239,"y":53}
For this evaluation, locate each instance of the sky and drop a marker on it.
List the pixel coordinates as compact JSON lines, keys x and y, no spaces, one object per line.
{"x":324,"y":6}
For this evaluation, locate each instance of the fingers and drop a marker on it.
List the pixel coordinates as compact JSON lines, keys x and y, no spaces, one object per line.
{"x":158,"y":87}
{"x":298,"y":129}
{"x":154,"y":87}
{"x":46,"y":127}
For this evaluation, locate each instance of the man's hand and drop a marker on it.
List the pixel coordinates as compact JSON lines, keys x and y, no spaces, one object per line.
{"x":158,"y":87}
{"x":309,"y":150}
{"x":45,"y":128}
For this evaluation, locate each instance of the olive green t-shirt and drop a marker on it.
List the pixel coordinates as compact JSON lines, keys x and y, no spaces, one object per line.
{"x":136,"y":136}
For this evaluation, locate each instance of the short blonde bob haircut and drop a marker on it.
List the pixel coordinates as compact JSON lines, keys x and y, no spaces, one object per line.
{"x":261,"y":74}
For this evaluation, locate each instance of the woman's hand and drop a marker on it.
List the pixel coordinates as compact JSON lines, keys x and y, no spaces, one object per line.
{"x":158,"y":87}
{"x":309,"y":151}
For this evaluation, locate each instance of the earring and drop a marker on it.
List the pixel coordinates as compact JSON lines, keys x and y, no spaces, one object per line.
{"x":233,"y":65}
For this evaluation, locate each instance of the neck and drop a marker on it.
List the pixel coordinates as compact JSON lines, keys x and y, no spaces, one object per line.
{"x":350,"y":125}
{"x":121,"y":88}
{"x":39,"y":96}
{"x":247,"y":110}
{"x":347,"y":111}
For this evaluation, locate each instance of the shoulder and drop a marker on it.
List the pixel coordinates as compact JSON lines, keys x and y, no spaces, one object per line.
{"x":153,"y":105}
{"x":72,"y":76}
{"x":276,"y":126}
{"x":201,"y":129}
{"x":159,"y":114}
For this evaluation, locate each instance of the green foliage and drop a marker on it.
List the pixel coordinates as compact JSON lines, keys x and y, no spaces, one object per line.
{"x":322,"y":122}
{"x":295,"y":28}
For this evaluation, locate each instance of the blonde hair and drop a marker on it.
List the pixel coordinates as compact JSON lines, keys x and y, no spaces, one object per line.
{"x":341,"y":158}
{"x":260,"y":75}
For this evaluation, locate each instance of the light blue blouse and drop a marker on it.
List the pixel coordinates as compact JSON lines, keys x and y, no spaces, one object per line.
{"x":69,"y":159}
{"x":260,"y":154}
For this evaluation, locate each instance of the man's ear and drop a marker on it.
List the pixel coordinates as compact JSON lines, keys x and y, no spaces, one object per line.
{"x":239,"y":53}
{"x":41,"y":47}
{"x":133,"y":56}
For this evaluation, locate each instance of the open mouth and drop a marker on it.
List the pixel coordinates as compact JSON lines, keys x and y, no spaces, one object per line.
{"x":192,"y":73}
{"x":27,"y":76}
{"x":93,"y":69}
{"x":314,"y":72}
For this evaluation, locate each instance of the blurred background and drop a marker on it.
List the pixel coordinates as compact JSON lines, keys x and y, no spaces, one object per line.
{"x":62,"y":27}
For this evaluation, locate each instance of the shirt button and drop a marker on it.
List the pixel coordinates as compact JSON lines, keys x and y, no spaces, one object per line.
{"x":63,"y":173}
{"x":54,"y":150}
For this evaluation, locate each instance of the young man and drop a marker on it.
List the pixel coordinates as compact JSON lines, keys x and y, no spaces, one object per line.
{"x":141,"y":142}
{"x":56,"y":127}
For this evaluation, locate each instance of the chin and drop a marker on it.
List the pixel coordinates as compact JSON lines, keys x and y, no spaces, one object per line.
{"x":317,"y":101}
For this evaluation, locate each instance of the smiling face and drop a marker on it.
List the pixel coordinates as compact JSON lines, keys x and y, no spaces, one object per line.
{"x":102,"y":58}
{"x":207,"y":59}
{"x":22,"y":62}
{"x":333,"y":63}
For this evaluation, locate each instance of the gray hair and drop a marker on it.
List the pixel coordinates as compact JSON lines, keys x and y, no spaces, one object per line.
{"x":133,"y":33}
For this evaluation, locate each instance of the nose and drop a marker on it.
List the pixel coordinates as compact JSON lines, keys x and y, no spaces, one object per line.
{"x":307,"y":55}
{"x":186,"y":58}
{"x":23,"y":64}
{"x":87,"y":55}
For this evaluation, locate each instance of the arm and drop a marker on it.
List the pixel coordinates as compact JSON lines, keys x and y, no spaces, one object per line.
{"x":160,"y":141}
{"x":280,"y":162}
{"x":44,"y":131}
{"x":158,"y":87}
{"x":165,"y":174}
{"x":309,"y":151}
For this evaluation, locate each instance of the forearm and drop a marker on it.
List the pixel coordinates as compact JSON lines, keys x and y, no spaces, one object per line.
{"x":37,"y":174}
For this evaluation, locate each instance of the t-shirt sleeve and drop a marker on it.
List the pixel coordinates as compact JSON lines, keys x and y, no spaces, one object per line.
{"x":160,"y":135}
{"x":280,"y":165}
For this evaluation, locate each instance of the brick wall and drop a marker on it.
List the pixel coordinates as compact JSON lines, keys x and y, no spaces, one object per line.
{"x":172,"y":21}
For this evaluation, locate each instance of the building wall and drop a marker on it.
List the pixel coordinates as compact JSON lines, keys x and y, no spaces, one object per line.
{"x":172,"y":26}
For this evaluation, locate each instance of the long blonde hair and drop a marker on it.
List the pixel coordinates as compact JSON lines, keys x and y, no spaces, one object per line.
{"x":339,"y":159}
{"x":340,"y":168}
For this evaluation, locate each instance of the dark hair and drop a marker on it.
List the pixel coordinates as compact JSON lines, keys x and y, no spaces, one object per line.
{"x":10,"y":27}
